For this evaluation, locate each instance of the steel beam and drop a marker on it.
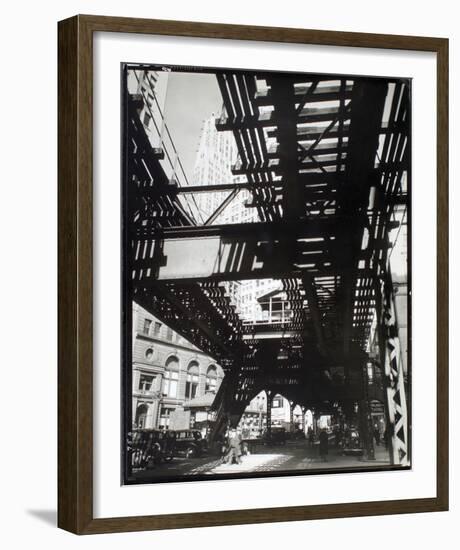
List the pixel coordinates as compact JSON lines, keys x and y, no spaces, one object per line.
{"x":315,"y":227}
{"x":213,"y":188}
{"x":366,"y":121}
{"x":324,"y":93}
{"x":312,"y":298}
{"x":223,"y":205}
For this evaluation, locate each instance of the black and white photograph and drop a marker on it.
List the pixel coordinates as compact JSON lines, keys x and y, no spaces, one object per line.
{"x":266,"y":280}
{"x":230,"y":248}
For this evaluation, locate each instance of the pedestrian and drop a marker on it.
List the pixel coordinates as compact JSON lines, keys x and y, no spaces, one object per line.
{"x":169,"y":443}
{"x":386,"y":437}
{"x":377,"y":434}
{"x":323,"y":445}
{"x":234,"y":448}
{"x":339,"y":438}
{"x":311,"y":436}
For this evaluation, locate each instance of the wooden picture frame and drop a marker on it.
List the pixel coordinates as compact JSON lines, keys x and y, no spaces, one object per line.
{"x":75,"y":372}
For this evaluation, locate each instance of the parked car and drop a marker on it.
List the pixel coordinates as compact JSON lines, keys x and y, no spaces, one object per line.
{"x":189,"y":443}
{"x":150,"y":447}
{"x":351,"y":442}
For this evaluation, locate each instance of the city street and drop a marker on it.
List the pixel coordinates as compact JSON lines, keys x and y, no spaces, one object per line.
{"x":294,"y":456}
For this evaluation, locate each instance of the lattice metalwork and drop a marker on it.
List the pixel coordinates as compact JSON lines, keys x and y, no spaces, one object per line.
{"x":326,"y":161}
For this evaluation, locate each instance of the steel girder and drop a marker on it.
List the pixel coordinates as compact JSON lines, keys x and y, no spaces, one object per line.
{"x":311,"y":168}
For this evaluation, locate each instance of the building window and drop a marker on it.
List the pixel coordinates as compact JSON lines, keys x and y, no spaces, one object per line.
{"x":147,"y":324}
{"x":277,"y":402}
{"x":191,"y":385}
{"x":149,"y":354}
{"x":171,"y":377}
{"x":157,"y":328}
{"x":165,"y":413}
{"x":146,"y":382}
{"x":211,"y":379}
{"x":170,"y":382}
{"x":370,"y":373}
{"x":169,"y":334}
{"x":147,"y":119}
{"x":141,"y":416}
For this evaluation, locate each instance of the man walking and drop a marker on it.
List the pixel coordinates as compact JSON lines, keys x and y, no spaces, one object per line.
{"x":234,"y":448}
{"x":323,"y":445}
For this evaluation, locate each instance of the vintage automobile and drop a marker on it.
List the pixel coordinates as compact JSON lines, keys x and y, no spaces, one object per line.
{"x":150,"y":447}
{"x":351,"y":442}
{"x":189,"y":443}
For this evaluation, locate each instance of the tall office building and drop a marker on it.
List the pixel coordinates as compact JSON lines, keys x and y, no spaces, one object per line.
{"x":217,"y":152}
{"x":214,"y":159}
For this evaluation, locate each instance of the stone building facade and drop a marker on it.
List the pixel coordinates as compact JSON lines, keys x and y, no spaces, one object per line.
{"x":168,"y":371}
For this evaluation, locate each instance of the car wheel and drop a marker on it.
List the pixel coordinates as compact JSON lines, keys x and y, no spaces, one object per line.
{"x":190,"y":452}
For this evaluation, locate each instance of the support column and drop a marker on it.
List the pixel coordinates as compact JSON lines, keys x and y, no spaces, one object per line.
{"x":135,"y":379}
{"x":222,"y":405}
{"x":260,"y":409}
{"x":291,"y":416}
{"x":152,"y":415}
{"x":134,"y":409}
{"x":316,"y":416}
{"x":366,"y":430}
{"x":390,"y":360}
{"x":201,"y":390}
{"x":269,"y":412}
{"x":365,"y":416}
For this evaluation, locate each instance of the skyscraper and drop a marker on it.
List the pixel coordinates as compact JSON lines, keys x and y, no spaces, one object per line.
{"x":214,"y":159}
{"x":217,"y":152}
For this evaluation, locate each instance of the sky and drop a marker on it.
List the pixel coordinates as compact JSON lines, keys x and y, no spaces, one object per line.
{"x":190,"y":99}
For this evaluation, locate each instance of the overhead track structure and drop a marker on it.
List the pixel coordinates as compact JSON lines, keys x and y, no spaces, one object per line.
{"x":326,"y":161}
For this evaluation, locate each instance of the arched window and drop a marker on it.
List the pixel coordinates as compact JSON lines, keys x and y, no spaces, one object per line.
{"x":211,"y":379}
{"x":278,"y":401}
{"x":141,"y":415}
{"x":171,"y":377}
{"x":191,"y":385}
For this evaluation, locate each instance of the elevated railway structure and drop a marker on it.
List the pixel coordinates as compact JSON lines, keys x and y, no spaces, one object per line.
{"x":326,"y":161}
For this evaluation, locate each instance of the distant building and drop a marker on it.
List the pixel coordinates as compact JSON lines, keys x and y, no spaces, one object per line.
{"x":253,"y":423}
{"x":214,"y":159}
{"x":168,"y":373}
{"x":217,"y":152}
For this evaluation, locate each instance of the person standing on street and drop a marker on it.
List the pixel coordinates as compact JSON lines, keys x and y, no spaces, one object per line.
{"x":234,"y":448}
{"x":323,"y":445}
